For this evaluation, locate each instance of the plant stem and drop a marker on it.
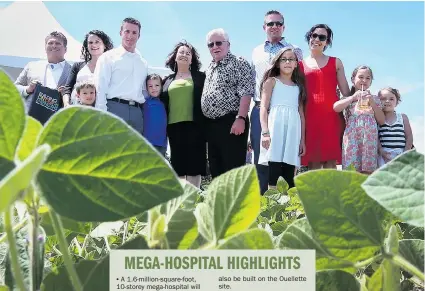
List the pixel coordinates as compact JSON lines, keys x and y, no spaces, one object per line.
{"x":105,"y":238}
{"x":57,"y":226}
{"x":367,"y":262}
{"x":83,"y":248}
{"x":125,"y":231}
{"x":19,"y":278}
{"x":34,"y":248}
{"x":16,"y":227}
{"x":406,"y":265}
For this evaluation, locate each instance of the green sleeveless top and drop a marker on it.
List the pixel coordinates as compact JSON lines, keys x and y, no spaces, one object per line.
{"x":181,"y":101}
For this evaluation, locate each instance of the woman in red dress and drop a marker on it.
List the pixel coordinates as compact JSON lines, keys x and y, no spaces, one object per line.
{"x":324,"y":127}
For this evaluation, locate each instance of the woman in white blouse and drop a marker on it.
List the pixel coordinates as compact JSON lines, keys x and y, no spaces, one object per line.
{"x":95,"y":43}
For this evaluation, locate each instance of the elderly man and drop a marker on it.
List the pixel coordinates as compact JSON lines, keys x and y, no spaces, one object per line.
{"x":274,"y":26}
{"x":120,"y":77}
{"x":51,"y":73}
{"x":228,"y":89}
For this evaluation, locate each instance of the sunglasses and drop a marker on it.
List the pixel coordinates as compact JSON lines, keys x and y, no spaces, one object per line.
{"x":217,"y":43}
{"x":321,"y":37}
{"x":277,"y":23}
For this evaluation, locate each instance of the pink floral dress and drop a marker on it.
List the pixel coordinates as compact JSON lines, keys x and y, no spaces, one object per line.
{"x":360,"y":141}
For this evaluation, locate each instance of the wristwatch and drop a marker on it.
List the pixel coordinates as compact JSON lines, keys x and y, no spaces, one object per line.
{"x":240,"y":117}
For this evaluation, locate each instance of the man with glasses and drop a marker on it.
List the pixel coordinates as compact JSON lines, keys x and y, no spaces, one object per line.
{"x":228,"y":89}
{"x":261,"y":57}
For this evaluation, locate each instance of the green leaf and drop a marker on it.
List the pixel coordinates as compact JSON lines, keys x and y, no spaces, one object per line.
{"x":98,"y":278}
{"x":399,"y":187}
{"x":253,"y":239}
{"x":20,"y":178}
{"x":60,"y":281}
{"x":101,"y":167}
{"x":279,"y":227}
{"x":182,"y":229}
{"x":12,"y":123}
{"x":204,"y":219}
{"x":336,"y":280}
{"x":343,"y":217}
{"x":282,"y":186}
{"x":234,"y":200}
{"x":299,"y":236}
{"x":158,"y":229}
{"x":413,"y":251}
{"x":4,"y":288}
{"x":94,"y":274}
{"x":273,"y":194}
{"x":68,"y":224}
{"x":29,"y":139}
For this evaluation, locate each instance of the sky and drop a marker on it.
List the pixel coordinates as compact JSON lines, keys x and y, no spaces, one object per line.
{"x":387,"y":36}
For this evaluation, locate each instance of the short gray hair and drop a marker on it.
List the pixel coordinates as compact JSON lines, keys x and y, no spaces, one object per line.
{"x":219,"y":31}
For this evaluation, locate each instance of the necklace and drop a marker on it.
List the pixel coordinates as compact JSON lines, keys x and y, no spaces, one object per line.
{"x":180,"y":75}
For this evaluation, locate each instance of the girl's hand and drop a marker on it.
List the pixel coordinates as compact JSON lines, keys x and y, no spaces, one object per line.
{"x":265,"y":141}
{"x":356,"y":96}
{"x":302,"y":148}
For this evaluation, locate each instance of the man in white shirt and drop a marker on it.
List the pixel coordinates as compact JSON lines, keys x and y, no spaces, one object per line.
{"x":51,"y":73}
{"x":261,"y":56}
{"x":120,"y":77}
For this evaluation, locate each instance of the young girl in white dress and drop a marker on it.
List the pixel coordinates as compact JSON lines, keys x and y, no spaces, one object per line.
{"x":282,"y":117}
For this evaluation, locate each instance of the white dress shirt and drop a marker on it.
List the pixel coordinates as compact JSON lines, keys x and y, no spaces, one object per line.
{"x":49,"y":74}
{"x":120,"y":74}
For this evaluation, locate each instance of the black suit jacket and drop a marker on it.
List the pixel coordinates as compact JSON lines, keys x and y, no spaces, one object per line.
{"x":198,"y":83}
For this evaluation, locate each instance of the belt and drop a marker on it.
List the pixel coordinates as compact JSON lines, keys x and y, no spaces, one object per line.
{"x":257,"y":103}
{"x":131,"y":102}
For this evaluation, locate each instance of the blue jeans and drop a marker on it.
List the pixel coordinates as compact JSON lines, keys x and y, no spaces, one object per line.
{"x":255,"y":136}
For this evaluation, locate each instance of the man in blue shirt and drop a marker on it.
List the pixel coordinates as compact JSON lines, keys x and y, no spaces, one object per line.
{"x":261,"y":56}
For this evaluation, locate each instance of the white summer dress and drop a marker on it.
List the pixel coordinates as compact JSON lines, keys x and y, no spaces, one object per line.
{"x":284,"y":124}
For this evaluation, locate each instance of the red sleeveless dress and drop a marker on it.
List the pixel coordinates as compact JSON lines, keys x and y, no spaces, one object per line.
{"x":323,"y":126}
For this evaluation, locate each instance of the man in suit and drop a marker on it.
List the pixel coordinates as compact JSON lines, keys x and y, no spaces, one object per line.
{"x":51,"y":73}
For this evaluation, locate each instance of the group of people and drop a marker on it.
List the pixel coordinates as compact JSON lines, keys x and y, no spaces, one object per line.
{"x":298,"y":117}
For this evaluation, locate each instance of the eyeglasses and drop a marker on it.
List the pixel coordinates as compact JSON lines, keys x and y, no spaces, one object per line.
{"x":321,"y":37}
{"x":217,"y":43}
{"x":284,"y":60}
{"x":277,"y":23}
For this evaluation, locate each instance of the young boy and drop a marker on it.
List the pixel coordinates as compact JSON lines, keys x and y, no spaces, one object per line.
{"x":155,"y":117}
{"x":86,"y":93}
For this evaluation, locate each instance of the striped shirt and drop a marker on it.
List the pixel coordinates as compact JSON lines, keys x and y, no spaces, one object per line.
{"x":262,"y":56}
{"x":392,"y":136}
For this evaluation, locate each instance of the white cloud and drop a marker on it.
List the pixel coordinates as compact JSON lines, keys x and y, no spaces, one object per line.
{"x":418,"y":128}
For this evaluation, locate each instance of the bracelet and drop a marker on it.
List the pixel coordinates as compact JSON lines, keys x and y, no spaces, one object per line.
{"x":265,"y":133}
{"x":240,"y":117}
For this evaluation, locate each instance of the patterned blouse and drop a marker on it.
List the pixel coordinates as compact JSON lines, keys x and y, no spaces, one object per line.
{"x":227,"y":81}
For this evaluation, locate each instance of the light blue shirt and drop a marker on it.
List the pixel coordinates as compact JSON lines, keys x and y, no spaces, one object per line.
{"x":262,"y":56}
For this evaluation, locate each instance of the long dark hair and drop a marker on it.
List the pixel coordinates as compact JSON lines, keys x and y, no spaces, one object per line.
{"x":107,"y":42}
{"x":297,"y":75}
{"x":171,"y":59}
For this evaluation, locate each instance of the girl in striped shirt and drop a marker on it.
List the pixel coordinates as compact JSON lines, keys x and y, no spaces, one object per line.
{"x":395,"y":135}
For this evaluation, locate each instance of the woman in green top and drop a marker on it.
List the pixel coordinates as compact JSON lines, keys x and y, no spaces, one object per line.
{"x":181,"y":95}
